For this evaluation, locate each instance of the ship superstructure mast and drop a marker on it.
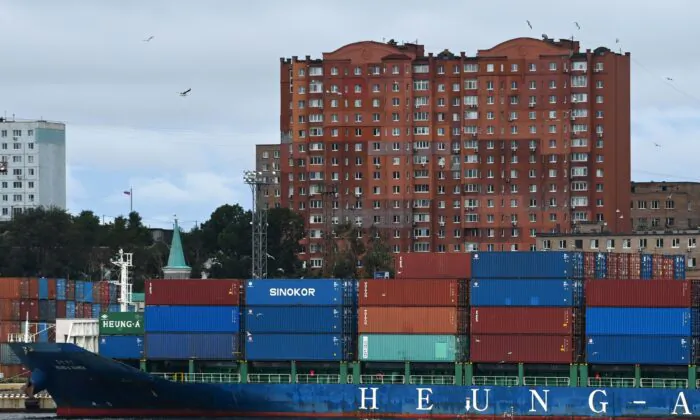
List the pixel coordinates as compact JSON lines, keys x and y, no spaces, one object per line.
{"x":124,"y":260}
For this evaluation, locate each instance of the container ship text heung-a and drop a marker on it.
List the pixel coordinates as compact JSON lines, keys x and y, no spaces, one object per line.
{"x":507,"y":334}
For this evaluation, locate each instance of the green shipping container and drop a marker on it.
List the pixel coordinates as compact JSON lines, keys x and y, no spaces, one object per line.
{"x":411,"y":347}
{"x":121,"y":323}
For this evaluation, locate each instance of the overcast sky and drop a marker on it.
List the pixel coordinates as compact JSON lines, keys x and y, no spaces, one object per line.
{"x":84,"y":63}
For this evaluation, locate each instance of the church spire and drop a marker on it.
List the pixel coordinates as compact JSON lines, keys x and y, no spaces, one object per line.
{"x":176,"y":268}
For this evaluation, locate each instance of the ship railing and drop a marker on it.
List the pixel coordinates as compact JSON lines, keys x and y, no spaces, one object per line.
{"x":611,"y":382}
{"x":382,"y":379}
{"x":431,"y":380}
{"x":318,"y":379}
{"x":546,"y":381}
{"x":200,"y":377}
{"x":495,"y":380}
{"x":663,"y":383}
{"x":269,"y":378}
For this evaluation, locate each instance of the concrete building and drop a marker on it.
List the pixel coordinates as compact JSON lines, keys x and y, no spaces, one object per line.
{"x":450,"y":153}
{"x":35,"y":155}
{"x":267,"y":162}
{"x":664,"y":206}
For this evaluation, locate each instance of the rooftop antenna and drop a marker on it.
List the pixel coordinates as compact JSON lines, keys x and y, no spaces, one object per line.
{"x":124,"y":261}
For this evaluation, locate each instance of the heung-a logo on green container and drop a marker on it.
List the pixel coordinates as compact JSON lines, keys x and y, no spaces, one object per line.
{"x":121,"y":323}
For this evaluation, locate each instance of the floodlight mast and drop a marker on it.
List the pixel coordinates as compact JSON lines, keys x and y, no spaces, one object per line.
{"x":257,"y":182}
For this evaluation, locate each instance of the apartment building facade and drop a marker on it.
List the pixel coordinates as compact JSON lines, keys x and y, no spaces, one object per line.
{"x":267,"y":163}
{"x":33,"y":153}
{"x":665,"y":206}
{"x":451,"y":153}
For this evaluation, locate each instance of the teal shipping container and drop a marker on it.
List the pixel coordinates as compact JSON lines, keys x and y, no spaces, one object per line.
{"x":411,"y":347}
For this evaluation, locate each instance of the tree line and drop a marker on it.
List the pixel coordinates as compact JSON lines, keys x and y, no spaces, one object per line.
{"x":53,"y":243}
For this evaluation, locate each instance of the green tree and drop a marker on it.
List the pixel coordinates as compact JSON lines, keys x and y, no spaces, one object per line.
{"x":348,"y":249}
{"x":285,"y":230}
{"x":226,"y":237}
{"x":378,"y":256}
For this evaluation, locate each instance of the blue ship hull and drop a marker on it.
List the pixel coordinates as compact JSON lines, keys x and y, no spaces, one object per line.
{"x":84,"y":384}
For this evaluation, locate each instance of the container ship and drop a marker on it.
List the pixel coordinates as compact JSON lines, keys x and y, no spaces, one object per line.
{"x":507,"y":334}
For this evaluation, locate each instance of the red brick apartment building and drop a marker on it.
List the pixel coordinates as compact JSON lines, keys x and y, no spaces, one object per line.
{"x":452,"y":153}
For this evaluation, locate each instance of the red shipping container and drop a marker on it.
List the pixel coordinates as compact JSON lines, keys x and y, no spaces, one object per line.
{"x":519,"y":348}
{"x":432,"y":265}
{"x":9,"y":310}
{"x":33,"y":288}
{"x":30,"y":306}
{"x":638,"y":293}
{"x":101,"y":292}
{"x":79,"y":310}
{"x":623,"y":265}
{"x":635,"y":264}
{"x":60,"y":309}
{"x":14,"y":371}
{"x":407,"y":320}
{"x":87,"y":309}
{"x":10,"y":288}
{"x":657,"y":267}
{"x":70,"y":290}
{"x":522,"y":320}
{"x":215,"y":292}
{"x":668,"y":267}
{"x":7,"y":328}
{"x":404,"y":292}
{"x":52,"y":289}
{"x":589,"y":265}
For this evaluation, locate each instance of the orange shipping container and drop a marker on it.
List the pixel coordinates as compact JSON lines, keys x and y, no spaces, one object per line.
{"x":52,"y":289}
{"x":433,"y":265}
{"x":10,"y":288}
{"x":7,"y":328}
{"x":9,"y":310}
{"x":33,"y":288}
{"x":13,"y":371}
{"x":408,"y":320}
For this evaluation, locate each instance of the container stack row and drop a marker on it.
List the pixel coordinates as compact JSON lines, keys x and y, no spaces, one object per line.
{"x":640,"y":322}
{"x":420,"y":320}
{"x":524,"y":307}
{"x":192,"y":319}
{"x":633,"y":266}
{"x":299,"y":320}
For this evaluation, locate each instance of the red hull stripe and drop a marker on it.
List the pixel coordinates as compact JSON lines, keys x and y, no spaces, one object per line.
{"x":136,"y":412}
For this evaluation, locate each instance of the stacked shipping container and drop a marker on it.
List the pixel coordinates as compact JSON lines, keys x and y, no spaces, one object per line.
{"x":121,"y":335}
{"x":523,"y":307}
{"x":420,"y":320}
{"x":192,"y":319}
{"x":299,"y":320}
{"x":649,"y":322}
{"x":630,"y":266}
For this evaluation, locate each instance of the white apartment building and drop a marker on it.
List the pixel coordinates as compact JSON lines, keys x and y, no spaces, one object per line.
{"x":35,"y":153}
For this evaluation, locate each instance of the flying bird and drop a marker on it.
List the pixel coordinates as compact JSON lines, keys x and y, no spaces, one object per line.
{"x":657,"y":144}
{"x":617,"y":40}
{"x":149,"y":38}
{"x":529,"y":24}
{"x":577,"y":25}
{"x":669,"y":79}
{"x":185,"y":92}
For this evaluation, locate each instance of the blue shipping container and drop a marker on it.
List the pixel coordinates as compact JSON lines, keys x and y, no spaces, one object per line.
{"x":647,"y":266}
{"x":96,"y":310}
{"x":43,"y":288}
{"x":222,"y":319}
{"x":80,"y":291}
{"x":299,"y":292}
{"x":297,"y":319}
{"x":88,"y":292}
{"x":121,"y":346}
{"x":70,"y":309}
{"x":639,"y":321}
{"x":648,"y":350}
{"x":43,"y":332}
{"x":601,"y":265}
{"x":60,"y":289}
{"x":113,"y":297}
{"x":506,"y":292}
{"x":186,"y":346}
{"x":115,"y":308}
{"x":321,"y":347}
{"x":679,"y":267}
{"x":523,"y":265}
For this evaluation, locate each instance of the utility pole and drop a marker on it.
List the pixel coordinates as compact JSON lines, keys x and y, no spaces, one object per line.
{"x":330,"y":195}
{"x":257,"y":181}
